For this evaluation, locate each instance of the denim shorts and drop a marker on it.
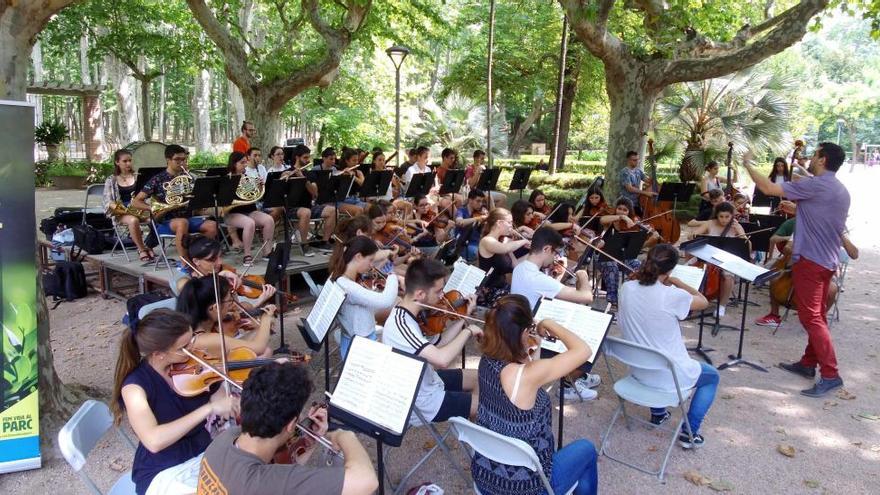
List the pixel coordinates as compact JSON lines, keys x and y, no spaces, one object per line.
{"x":195,"y":223}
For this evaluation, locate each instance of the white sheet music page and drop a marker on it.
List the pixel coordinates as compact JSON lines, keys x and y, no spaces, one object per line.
{"x":325,"y":309}
{"x":377,"y":384}
{"x":692,"y":276}
{"x":465,"y":278}
{"x":584,"y":322}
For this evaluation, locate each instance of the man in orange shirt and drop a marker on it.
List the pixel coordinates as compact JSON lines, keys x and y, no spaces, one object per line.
{"x":243,"y":142}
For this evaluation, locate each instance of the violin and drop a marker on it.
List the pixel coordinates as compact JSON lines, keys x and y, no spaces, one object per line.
{"x":302,"y":440}
{"x":392,"y":234}
{"x":197,"y":374}
{"x":453,"y":306}
{"x":251,"y":286}
{"x":373,"y":280}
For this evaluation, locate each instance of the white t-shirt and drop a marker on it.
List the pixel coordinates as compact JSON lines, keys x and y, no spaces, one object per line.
{"x":650,"y":315}
{"x":277,"y":168}
{"x":402,"y":332}
{"x":529,"y":281}
{"x":779,"y":179}
{"x":259,"y":171}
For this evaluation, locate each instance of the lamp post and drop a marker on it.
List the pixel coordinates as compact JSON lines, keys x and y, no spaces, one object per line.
{"x":397,"y":54}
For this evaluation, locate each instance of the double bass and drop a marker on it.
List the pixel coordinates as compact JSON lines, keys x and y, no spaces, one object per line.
{"x":661,"y":214}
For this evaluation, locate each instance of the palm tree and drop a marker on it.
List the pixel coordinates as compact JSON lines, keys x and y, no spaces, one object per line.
{"x":459,"y":123}
{"x":749,"y":108}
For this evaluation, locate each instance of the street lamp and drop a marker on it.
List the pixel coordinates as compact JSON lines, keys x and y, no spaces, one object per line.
{"x":397,"y":54}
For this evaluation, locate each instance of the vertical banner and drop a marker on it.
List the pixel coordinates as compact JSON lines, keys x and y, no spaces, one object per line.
{"x":19,"y":419}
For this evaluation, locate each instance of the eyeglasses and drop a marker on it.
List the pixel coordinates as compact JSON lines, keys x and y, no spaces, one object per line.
{"x":178,"y":159}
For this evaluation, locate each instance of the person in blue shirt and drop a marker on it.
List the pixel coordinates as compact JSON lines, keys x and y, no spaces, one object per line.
{"x":631,"y":178}
{"x":467,"y":223}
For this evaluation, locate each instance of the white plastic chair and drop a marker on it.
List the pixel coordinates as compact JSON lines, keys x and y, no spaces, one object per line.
{"x":500,"y":448}
{"x":80,"y":434}
{"x":629,"y":389}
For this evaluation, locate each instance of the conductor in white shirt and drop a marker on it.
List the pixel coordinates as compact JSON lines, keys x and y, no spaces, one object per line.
{"x":650,"y":309}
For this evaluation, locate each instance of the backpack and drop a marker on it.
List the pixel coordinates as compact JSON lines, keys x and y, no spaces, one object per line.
{"x":134,"y":304}
{"x":68,"y":217}
{"x":88,"y":239}
{"x":66,"y":282}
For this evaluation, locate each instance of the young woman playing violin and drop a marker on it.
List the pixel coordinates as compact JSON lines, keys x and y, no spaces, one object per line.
{"x":198,"y":300}
{"x":393,"y":237}
{"x":496,"y":253}
{"x":170,"y":428}
{"x":540,"y":207}
{"x":623,"y":220}
{"x":427,"y":217}
{"x":722,"y":224}
{"x":711,"y":181}
{"x":350,"y":261}
{"x":513,"y":402}
{"x":207,"y":257}
{"x":596,"y":207}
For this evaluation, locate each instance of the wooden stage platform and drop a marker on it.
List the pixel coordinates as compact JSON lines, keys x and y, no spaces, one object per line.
{"x":114,"y":273}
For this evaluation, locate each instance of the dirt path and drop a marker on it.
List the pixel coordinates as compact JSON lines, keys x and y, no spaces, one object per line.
{"x":836,"y":441}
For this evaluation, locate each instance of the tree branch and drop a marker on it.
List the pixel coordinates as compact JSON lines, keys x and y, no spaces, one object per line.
{"x":594,"y":34}
{"x":653,"y":10}
{"x":790,"y":27}
{"x":323,"y":71}
{"x":235,"y":57}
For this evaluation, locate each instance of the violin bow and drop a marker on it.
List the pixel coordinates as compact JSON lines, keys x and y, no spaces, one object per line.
{"x":224,"y":376}
{"x":612,"y":258}
{"x":452,"y":313}
{"x":220,"y":328}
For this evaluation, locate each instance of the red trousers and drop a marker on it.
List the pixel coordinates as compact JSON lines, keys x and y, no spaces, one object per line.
{"x":811,"y":282}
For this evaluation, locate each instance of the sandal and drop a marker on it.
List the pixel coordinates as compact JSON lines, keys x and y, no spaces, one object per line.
{"x":247,"y":261}
{"x":145,"y":255}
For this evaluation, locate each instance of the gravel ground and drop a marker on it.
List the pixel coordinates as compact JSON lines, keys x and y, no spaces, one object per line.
{"x":835,"y":442}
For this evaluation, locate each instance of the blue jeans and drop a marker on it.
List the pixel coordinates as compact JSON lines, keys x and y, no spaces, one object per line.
{"x":611,"y":276}
{"x":345,"y":342}
{"x":470,"y":251}
{"x":576,"y":462}
{"x":704,"y":394}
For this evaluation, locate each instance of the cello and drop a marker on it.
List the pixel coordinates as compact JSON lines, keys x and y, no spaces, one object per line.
{"x":660,"y":214}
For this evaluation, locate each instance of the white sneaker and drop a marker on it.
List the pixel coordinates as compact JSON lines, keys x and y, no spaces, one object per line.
{"x":579,"y":393}
{"x":721,"y":311}
{"x":590,"y":380}
{"x":295,"y":237}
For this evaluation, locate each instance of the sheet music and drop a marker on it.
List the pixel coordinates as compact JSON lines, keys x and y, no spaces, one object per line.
{"x":324,"y":310}
{"x":728,"y":262}
{"x":377,"y":384}
{"x":465,"y":278}
{"x":690,"y":275}
{"x":584,"y":322}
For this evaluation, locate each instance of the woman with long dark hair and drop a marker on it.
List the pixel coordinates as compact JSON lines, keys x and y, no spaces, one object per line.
{"x":513,"y":402}
{"x":248,"y":217}
{"x":170,"y":428}
{"x":780,"y":172}
{"x":350,"y":261}
{"x":651,"y":307}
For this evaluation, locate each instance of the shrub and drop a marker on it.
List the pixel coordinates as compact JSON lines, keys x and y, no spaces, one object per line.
{"x":208,"y":159}
{"x":95,"y":172}
{"x":50,"y":132}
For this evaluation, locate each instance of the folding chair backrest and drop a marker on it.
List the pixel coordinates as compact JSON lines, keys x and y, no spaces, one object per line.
{"x":96,"y":190}
{"x":637,"y":355}
{"x":495,"y":446}
{"x":170,"y":303}
{"x":80,"y":434}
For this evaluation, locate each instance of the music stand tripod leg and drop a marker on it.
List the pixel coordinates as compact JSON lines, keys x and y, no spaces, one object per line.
{"x":699,"y":349}
{"x":561,"y":409}
{"x":380,"y":466}
{"x":737,"y":359}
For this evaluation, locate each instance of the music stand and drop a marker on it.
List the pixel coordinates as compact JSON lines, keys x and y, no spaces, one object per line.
{"x":731,"y":260}
{"x":144,"y":174}
{"x":216,"y":172}
{"x":285,"y":194}
{"x":452,"y":182}
{"x":376,"y":183}
{"x":699,"y":349}
{"x":489,"y":180}
{"x":420,"y":184}
{"x":275,"y":271}
{"x":520,"y":180}
{"x":677,"y":192}
{"x":767,"y":220}
{"x":761,"y":199}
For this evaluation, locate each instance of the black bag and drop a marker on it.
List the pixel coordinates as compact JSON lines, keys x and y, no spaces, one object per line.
{"x":70,"y":217}
{"x":134,"y":304}
{"x":88,"y":239}
{"x":66,"y":283}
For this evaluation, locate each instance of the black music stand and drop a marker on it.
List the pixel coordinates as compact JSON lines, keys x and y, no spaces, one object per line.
{"x":315,"y":338}
{"x":334,"y":190}
{"x":761,"y":199}
{"x":489,"y":182}
{"x":214,"y":192}
{"x":216,"y":172}
{"x":760,"y":242}
{"x":699,"y":349}
{"x":677,"y":192}
{"x":144,"y":174}
{"x":452,"y":182}
{"x":376,"y":184}
{"x":520,"y":180}
{"x":765,"y":221}
{"x":420,"y":184}
{"x":623,"y":246}
{"x":710,"y":250}
{"x":275,"y":270}
{"x":288,"y":154}
{"x":285,"y":194}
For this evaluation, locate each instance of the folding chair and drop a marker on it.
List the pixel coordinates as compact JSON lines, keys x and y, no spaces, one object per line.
{"x":629,"y":389}
{"x":164,"y":255}
{"x":97,"y":190}
{"x":439,"y":443}
{"x":499,"y":448}
{"x":80,"y":435}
